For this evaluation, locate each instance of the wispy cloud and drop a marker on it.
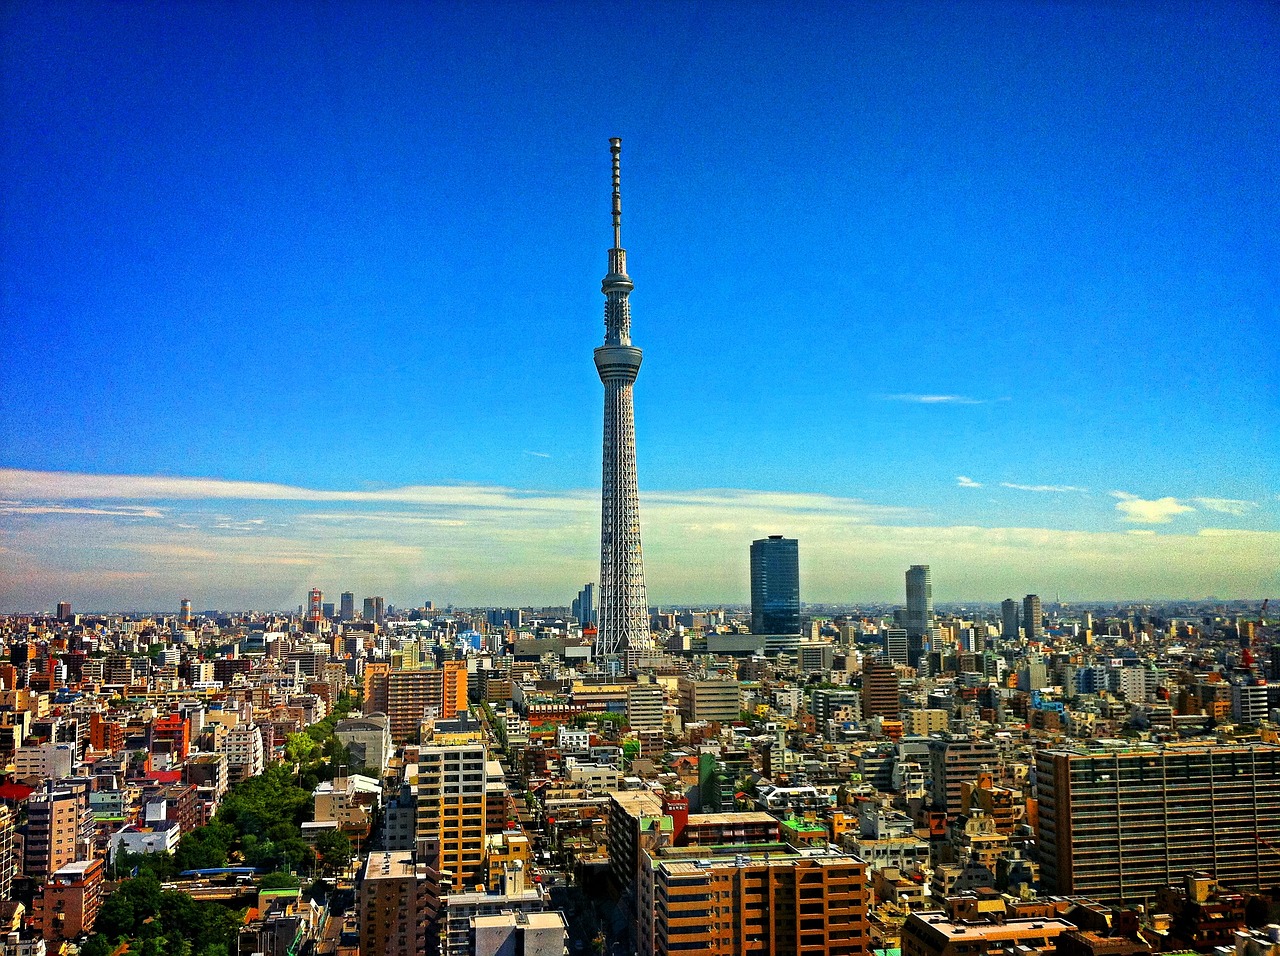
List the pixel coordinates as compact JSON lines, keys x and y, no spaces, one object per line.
{"x":50,"y":486}
{"x":1055,"y":489}
{"x":20,"y":508}
{"x":1227,"y":506}
{"x":1148,"y":511}
{"x":537,"y":454}
{"x":963,"y":481}
{"x":248,"y":544}
{"x":936,"y":399}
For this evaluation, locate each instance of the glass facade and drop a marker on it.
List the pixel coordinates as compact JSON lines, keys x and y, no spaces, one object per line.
{"x":775,"y":585}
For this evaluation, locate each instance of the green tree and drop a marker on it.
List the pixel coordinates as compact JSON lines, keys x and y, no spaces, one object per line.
{"x":279,"y":881}
{"x":204,"y":847}
{"x":334,"y":848}
{"x":300,"y":748}
{"x":97,"y":945}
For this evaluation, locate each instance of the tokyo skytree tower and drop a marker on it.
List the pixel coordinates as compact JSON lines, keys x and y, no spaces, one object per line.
{"x":624,"y":611}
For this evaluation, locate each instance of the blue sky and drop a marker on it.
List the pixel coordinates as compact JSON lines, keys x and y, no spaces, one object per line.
{"x":878,"y":249}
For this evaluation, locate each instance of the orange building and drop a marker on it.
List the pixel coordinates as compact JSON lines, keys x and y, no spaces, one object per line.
{"x":67,"y":905}
{"x":376,"y":675}
{"x":105,"y":735}
{"x":774,"y":899}
{"x":452,"y":808}
{"x":415,"y":695}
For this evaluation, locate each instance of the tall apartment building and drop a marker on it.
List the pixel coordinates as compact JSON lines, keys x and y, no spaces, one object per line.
{"x":880,"y":697}
{"x":776,"y":900}
{"x":398,"y":905}
{"x":706,"y":700}
{"x":374,"y":610}
{"x":59,"y":831}
{"x":414,"y":695}
{"x":451,"y":808}
{"x":956,"y":760}
{"x":377,"y":674}
{"x":775,"y":585}
{"x":919,"y":600}
{"x":245,"y":752}
{"x":1121,"y":824}
{"x":1032,"y":618}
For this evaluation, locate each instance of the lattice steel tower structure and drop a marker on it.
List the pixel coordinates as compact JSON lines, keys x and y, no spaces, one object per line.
{"x":623,"y":616}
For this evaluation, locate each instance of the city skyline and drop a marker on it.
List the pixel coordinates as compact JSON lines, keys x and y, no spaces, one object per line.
{"x":913,"y":294}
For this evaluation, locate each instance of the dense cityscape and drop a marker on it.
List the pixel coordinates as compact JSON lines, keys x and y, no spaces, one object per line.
{"x":607,"y":776}
{"x":357,"y":778}
{"x":304,"y":645}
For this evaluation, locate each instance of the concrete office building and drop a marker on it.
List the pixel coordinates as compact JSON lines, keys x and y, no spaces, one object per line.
{"x":368,"y":741}
{"x":1032,"y":618}
{"x":347,"y":607}
{"x":880,"y":696}
{"x":516,"y":933}
{"x":896,"y":647}
{"x":705,"y":700}
{"x":775,"y":585}
{"x":646,"y":707}
{"x":515,"y":895}
{"x":1120,"y":824}
{"x":584,"y":605}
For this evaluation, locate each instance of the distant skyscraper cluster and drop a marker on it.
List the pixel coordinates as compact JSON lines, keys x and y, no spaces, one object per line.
{"x":584,"y":605}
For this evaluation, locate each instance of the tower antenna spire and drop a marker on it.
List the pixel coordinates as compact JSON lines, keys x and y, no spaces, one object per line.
{"x":615,"y":147}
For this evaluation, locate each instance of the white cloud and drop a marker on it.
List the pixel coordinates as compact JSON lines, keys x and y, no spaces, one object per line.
{"x":1058,"y":489}
{"x":1227,"y":506}
{"x":936,"y":399}
{"x":480,"y":545}
{"x":963,"y":481}
{"x":1148,"y":511}
{"x":537,"y":454}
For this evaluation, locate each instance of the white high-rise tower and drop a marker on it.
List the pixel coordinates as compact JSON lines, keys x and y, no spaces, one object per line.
{"x":623,"y":616}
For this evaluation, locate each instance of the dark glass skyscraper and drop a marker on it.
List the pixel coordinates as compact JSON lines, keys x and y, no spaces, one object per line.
{"x":775,"y":585}
{"x":919,"y":600}
{"x":1009,"y":619}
